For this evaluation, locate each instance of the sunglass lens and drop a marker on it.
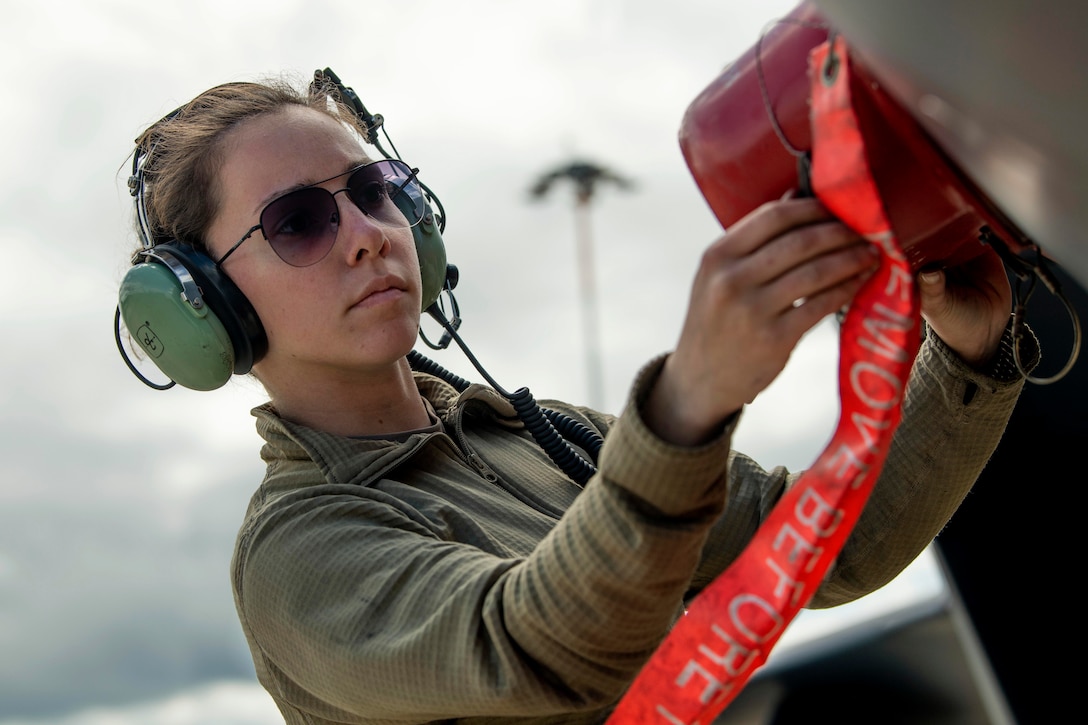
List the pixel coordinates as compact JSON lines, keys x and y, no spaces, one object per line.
{"x":373,"y":186}
{"x":301,"y":226}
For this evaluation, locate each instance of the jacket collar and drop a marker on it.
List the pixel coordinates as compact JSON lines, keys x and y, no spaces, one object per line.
{"x":357,"y":461}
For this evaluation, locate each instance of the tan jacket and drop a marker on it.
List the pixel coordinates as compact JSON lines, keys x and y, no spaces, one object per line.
{"x":461,"y":576}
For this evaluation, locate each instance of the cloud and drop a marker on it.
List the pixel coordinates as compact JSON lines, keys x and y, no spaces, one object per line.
{"x":218,"y":703}
{"x":114,"y":584}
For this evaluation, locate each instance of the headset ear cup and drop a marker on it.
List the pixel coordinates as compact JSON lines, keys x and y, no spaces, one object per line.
{"x":432,"y":258}
{"x":189,"y":345}
{"x":189,"y":318}
{"x":430,"y":249}
{"x":234,"y":310}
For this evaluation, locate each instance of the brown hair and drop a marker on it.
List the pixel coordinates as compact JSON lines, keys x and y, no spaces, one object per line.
{"x":182,"y":153}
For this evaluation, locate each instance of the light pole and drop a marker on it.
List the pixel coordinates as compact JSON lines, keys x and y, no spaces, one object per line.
{"x":585,"y":177}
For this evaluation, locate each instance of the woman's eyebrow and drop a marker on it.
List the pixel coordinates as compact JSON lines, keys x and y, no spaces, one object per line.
{"x":305,"y":185}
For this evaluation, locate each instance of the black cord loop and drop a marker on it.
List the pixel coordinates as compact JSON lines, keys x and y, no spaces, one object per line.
{"x":1029,"y":271}
{"x":125,"y":357}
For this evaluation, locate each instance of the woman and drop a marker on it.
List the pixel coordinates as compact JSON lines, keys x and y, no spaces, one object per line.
{"x":412,"y":554}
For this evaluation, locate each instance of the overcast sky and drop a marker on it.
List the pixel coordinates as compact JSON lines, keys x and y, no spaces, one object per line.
{"x":118,"y":503}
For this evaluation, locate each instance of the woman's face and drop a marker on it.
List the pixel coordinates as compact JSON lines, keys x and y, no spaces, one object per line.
{"x":356,"y":310}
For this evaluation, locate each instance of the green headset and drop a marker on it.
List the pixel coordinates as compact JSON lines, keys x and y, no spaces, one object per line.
{"x":190,"y":319}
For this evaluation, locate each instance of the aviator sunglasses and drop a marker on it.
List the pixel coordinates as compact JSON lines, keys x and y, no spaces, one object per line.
{"x":301,"y":225}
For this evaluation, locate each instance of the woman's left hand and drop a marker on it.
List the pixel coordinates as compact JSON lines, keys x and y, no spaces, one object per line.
{"x":968,"y":306}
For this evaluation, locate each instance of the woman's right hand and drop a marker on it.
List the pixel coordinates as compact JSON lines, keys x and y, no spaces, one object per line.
{"x":759,"y":288}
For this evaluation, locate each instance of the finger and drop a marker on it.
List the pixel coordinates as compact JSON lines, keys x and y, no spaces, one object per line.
{"x":800,"y":262}
{"x":805,"y":313}
{"x":822,"y":272}
{"x":769,"y":221}
{"x":930,"y":283}
{"x":806,"y":245}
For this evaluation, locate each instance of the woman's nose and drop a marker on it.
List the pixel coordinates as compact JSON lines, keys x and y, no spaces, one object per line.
{"x":359,"y":233}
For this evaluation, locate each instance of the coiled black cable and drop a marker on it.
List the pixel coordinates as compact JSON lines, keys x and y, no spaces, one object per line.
{"x":546,"y":435}
{"x":423,"y":364}
{"x":572,"y":430}
{"x":549,"y":428}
